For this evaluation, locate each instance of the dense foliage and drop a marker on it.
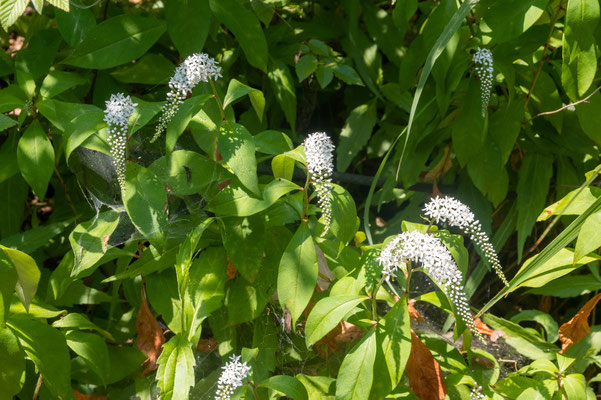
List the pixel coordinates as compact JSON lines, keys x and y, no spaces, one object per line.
{"x":245,"y":199}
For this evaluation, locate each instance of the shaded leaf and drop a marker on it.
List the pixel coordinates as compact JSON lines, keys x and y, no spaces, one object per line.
{"x":356,"y":373}
{"x":355,"y":134}
{"x":28,"y":274}
{"x":35,"y":156}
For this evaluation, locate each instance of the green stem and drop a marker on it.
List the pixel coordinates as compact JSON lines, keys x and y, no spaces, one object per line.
{"x":306,"y":198}
{"x":218,"y":100}
{"x":374,"y":311}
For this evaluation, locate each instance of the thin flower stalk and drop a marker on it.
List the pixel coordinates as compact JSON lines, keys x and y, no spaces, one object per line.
{"x":119,"y":109}
{"x":484,"y":68}
{"x":319,"y":152}
{"x":450,"y":211}
{"x":232,"y":377}
{"x":196,"y":68}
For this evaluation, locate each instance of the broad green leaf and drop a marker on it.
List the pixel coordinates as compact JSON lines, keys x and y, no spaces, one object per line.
{"x":6,"y":122}
{"x":90,"y":241}
{"x":588,"y":238}
{"x":175,"y":374}
{"x":344,"y":215}
{"x":355,"y":134}
{"x":574,"y":386}
{"x":327,"y":313}
{"x":116,"y":41}
{"x":36,"y":310}
{"x":237,"y":89}
{"x":35,"y":156}
{"x":62,"y":4}
{"x":151,"y":69}
{"x":12,"y":367}
{"x":188,"y":23}
{"x":187,"y":251}
{"x":569,"y":286}
{"x":282,"y":85}
{"x":56,"y":82}
{"x":522,"y":14}
{"x":246,"y":28}
{"x":237,"y":147}
{"x":297,"y":274}
{"x":356,"y":373}
{"x":469,"y":128}
{"x":13,"y":195}
{"x":234,"y":200}
{"x":305,"y":66}
{"x":244,"y":241}
{"x":574,"y":203}
{"x":534,"y":393}
{"x":145,"y":200}
{"x":589,"y":118}
{"x":8,"y":282}
{"x":533,"y":185}
{"x":347,"y":74}
{"x":182,"y":118}
{"x":544,"y":319}
{"x":579,"y":56}
{"x":31,"y":240}
{"x":93,"y":350}
{"x":28,"y":274}
{"x":75,"y":24}
{"x":61,"y":113}
{"x":48,"y":349}
{"x":324,"y":75}
{"x":8,"y":153}
{"x":272,"y":142}
{"x":288,"y":385}
{"x":283,"y":166}
{"x":80,"y":322}
{"x":10,"y":10}
{"x":396,"y":342}
{"x":81,"y":128}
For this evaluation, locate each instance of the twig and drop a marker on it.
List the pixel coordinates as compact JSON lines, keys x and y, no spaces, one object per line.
{"x":542,"y":57}
{"x":566,"y":106}
{"x":38,"y":386}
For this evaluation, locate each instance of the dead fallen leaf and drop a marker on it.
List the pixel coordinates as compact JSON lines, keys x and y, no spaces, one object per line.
{"x":413,"y":313}
{"x":441,"y":168}
{"x":577,"y":328}
{"x":150,"y":335}
{"x":348,"y":332}
{"x":487,"y":330}
{"x":81,"y":396}
{"x":207,"y":345}
{"x":425,"y":375}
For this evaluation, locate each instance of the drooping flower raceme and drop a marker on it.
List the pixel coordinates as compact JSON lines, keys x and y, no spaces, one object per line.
{"x":484,"y":67}
{"x":116,"y":114}
{"x":438,"y":263}
{"x":319,"y":151}
{"x":476,"y":395}
{"x":450,"y":211}
{"x":234,"y":372}
{"x":196,"y":68}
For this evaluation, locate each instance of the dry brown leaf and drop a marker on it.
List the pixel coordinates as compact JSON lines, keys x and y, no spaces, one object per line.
{"x":348,"y":332}
{"x":441,"y":168}
{"x":413,"y":313}
{"x":81,"y":396}
{"x":207,"y":345}
{"x":577,"y":328}
{"x":231,"y":271}
{"x":150,"y":335}
{"x":425,"y":375}
{"x":487,"y":330}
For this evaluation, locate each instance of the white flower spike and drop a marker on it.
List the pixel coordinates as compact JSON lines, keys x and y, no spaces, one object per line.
{"x":484,"y":67}
{"x":196,"y":68}
{"x":450,"y":211}
{"x":119,"y":109}
{"x":476,"y":395}
{"x":438,"y":263}
{"x":234,"y":372}
{"x":319,"y":151}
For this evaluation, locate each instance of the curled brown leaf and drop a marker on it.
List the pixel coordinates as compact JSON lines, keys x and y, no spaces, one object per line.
{"x":425,"y":375}
{"x":150,"y":335}
{"x":577,"y":328}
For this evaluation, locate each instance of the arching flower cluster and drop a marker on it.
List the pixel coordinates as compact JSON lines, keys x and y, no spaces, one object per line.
{"x":476,"y":395}
{"x":234,"y":372}
{"x":450,"y":211}
{"x":196,"y":68}
{"x":437,"y":262}
{"x":319,"y":151}
{"x":119,"y":109}
{"x":484,"y":68}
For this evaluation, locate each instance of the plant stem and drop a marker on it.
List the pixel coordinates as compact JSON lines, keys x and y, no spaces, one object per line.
{"x":374,"y":311}
{"x":38,"y":386}
{"x":306,"y":198}
{"x":218,"y":100}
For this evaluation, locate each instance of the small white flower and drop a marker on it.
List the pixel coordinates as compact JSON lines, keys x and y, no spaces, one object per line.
{"x":476,"y":395}
{"x":447,"y":210}
{"x":484,"y":67}
{"x":234,"y":372}
{"x":436,"y":260}
{"x":119,"y":109}
{"x":319,"y":152}
{"x":196,"y":68}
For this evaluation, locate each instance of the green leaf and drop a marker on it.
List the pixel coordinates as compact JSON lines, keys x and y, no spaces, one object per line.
{"x":151,"y":69}
{"x":357,"y":370}
{"x":237,"y":147}
{"x":272,"y":142}
{"x":188,"y":23}
{"x":145,"y":200}
{"x":187,"y":250}
{"x":39,"y":55}
{"x":62,"y":4}
{"x":8,"y":281}
{"x":283,"y":167}
{"x":12,"y":367}
{"x":35,"y":156}
{"x":324,"y":75}
{"x":544,"y":319}
{"x":57,"y":82}
{"x":81,"y":128}
{"x":574,"y":386}
{"x":90,"y":241}
{"x":469,"y":128}
{"x":175,"y":374}
{"x":355,"y":134}
{"x":588,"y":238}
{"x":28,"y":273}
{"x":347,"y":74}
{"x":396,"y":343}
{"x":81,"y":322}
{"x":6,"y":122}
{"x":578,"y":68}
{"x":533,"y":185}
{"x":237,"y":89}
{"x":282,"y":85}
{"x":305,"y":66}
{"x":288,"y":385}
{"x":327,"y":313}
{"x":246,"y":28}
{"x":569,"y":286}
{"x":182,"y":118}
{"x":575,"y":202}
{"x":297,"y":274}
{"x":522,"y":14}
{"x":344,"y":215}
{"x":244,"y":241}
{"x":92,"y":349}
{"x":13,"y":195}
{"x":589,"y":118}
{"x":31,"y":240}
{"x":75,"y":24}
{"x":48,"y":349}
{"x":116,"y":41}
{"x":10,"y":10}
